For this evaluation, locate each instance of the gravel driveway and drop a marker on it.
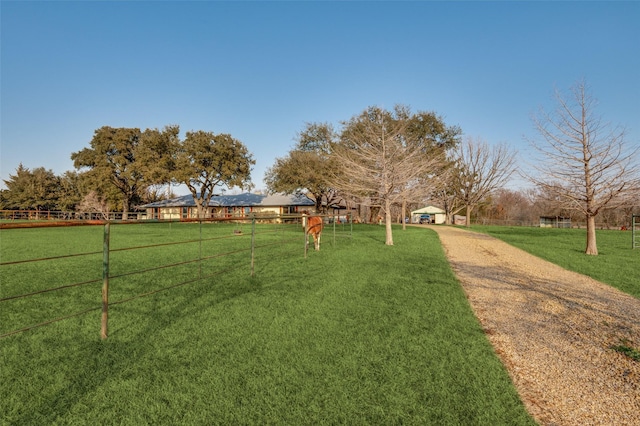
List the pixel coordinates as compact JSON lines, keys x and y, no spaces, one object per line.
{"x":553,"y":330}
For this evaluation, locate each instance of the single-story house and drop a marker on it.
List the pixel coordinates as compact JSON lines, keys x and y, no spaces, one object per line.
{"x":229,"y":206}
{"x":340,"y":208}
{"x":438,"y":215}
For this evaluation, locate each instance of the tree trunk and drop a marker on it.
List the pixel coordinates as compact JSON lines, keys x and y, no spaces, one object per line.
{"x":448,"y":213}
{"x":318,"y":200}
{"x":199,"y":208}
{"x":388,"y":231}
{"x":125,"y":208}
{"x":592,"y":247}
{"x":468,"y":224}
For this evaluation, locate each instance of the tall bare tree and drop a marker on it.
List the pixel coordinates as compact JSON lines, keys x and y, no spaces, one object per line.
{"x":378,"y":159}
{"x":93,"y":203}
{"x":427,"y":131}
{"x":584,"y":162}
{"x":445,"y":190}
{"x":480,"y":169}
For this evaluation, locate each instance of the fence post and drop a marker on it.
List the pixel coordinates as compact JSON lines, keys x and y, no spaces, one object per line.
{"x":105,"y":282}
{"x":334,"y":227}
{"x":350,"y":219}
{"x":635,"y":226}
{"x":253,"y":242}
{"x":200,"y":250}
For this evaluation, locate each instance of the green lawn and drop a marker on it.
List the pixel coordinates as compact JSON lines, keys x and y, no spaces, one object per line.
{"x":616,"y":264}
{"x":358,"y":333}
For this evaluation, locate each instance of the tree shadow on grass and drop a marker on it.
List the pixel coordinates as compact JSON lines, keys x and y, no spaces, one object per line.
{"x":135,"y":327}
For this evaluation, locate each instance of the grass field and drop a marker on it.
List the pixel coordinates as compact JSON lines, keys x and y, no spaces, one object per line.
{"x":358,"y":333}
{"x":617,"y":264}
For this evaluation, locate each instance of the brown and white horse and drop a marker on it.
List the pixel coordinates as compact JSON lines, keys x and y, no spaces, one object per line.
{"x":312,"y":226}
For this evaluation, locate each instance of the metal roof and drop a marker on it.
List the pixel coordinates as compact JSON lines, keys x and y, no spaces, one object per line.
{"x":239,"y":200}
{"x":429,"y":210}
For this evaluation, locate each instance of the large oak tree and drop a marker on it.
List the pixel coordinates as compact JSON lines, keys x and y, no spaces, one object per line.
{"x":307,"y":167}
{"x":127,"y":159}
{"x":205,"y":160}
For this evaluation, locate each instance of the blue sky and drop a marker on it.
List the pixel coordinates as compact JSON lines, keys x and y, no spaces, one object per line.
{"x":261,"y":70}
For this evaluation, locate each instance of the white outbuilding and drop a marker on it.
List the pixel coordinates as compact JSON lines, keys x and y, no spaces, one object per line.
{"x":437,"y":214}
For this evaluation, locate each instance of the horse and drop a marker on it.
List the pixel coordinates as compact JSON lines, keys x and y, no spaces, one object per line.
{"x":312,"y":225}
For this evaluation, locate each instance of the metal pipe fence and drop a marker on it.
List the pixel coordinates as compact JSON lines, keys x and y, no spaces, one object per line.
{"x":172,"y":253}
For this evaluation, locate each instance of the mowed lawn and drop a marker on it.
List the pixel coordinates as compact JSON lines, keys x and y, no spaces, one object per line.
{"x":616,"y":264}
{"x":358,"y":333}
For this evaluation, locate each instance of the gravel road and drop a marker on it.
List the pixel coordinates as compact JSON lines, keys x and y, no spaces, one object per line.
{"x":553,"y":330}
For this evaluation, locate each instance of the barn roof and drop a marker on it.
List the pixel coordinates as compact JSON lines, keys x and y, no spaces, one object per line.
{"x":238,"y":200}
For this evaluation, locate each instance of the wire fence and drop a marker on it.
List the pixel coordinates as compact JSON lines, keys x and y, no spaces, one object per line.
{"x":580,"y":224}
{"x":55,"y":273}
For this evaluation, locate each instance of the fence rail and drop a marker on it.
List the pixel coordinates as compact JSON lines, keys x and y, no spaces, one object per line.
{"x":221,"y":246}
{"x":44,"y":215}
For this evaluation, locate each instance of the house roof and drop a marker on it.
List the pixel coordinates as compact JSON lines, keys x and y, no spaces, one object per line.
{"x":238,"y":200}
{"x":429,"y":210}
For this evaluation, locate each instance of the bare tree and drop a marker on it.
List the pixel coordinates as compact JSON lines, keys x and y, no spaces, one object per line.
{"x":446,"y":192}
{"x":378,"y":159}
{"x":511,"y":206}
{"x":584,"y":161}
{"x":93,"y":203}
{"x":480,"y":169}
